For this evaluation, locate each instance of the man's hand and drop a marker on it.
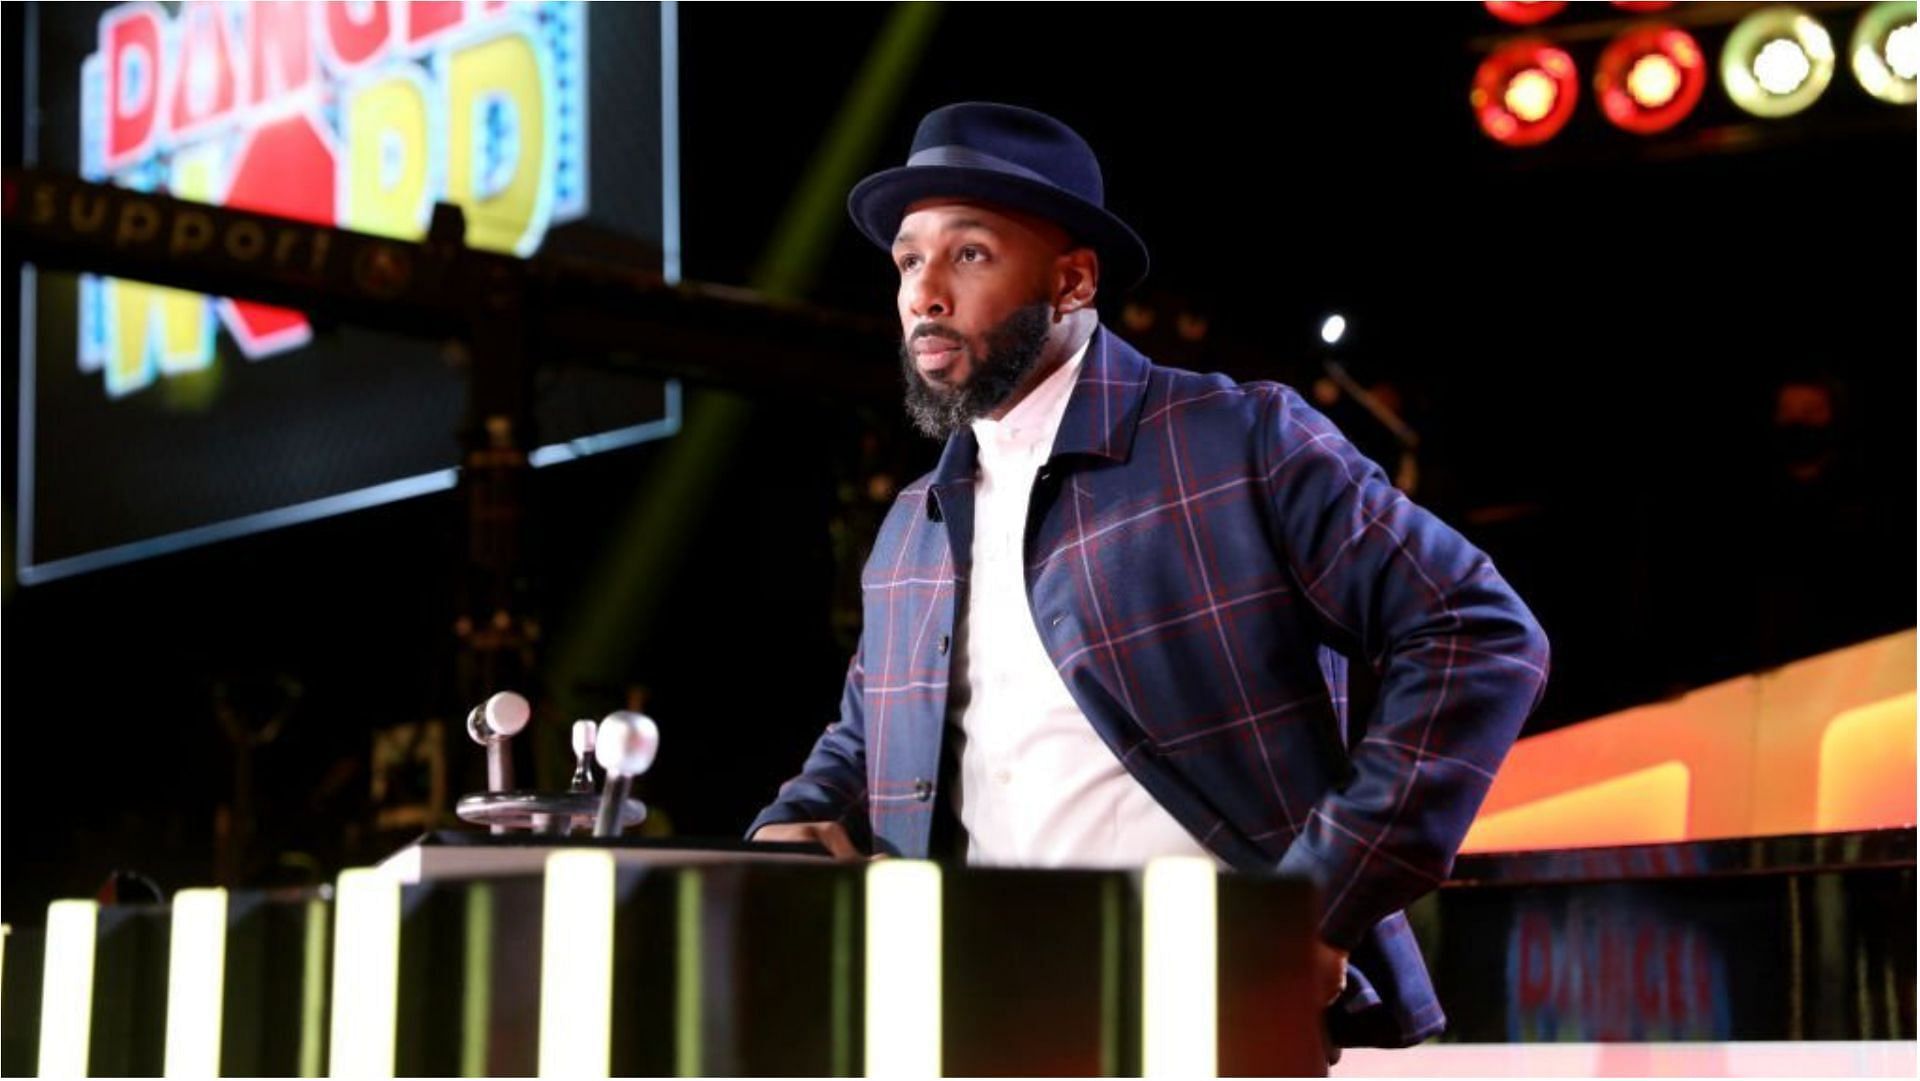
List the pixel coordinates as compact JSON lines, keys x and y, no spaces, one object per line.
{"x":831,"y":836}
{"x":1329,"y":964}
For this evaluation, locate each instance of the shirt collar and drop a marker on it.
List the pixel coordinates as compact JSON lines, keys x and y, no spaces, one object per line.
{"x":1101,"y":414}
{"x":1033,"y":421}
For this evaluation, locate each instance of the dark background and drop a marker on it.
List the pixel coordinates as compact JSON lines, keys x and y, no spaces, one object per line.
{"x":1589,"y":338}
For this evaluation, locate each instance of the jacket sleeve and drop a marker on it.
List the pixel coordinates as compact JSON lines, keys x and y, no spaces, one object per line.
{"x":832,"y":785}
{"x":1461,"y":660}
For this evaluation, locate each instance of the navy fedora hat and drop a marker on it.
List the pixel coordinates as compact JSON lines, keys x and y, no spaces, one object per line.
{"x":1012,"y":157}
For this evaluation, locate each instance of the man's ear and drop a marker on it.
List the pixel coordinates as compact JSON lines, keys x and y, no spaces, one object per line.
{"x":1076,"y":281}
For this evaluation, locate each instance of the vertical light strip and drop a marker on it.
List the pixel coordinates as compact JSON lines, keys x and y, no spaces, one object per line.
{"x":689,"y":1024}
{"x":903,"y":969}
{"x":313,"y":992}
{"x":196,"y":980}
{"x":66,"y":988}
{"x":366,"y":974}
{"x":840,"y":1010}
{"x":1796,"y":973}
{"x":29,"y":315}
{"x":1179,"y":981}
{"x":1113,"y":916}
{"x":30,"y":86}
{"x":670,"y":142}
{"x":576,"y":966}
{"x":476,"y":1000}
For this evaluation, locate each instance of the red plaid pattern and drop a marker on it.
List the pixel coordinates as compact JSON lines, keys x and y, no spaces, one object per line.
{"x":1202,"y":559}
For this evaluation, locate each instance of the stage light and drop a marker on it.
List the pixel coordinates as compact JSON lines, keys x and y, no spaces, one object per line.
{"x":1649,"y":78}
{"x":1531,"y":95}
{"x":366,"y":974}
{"x":66,"y":989}
{"x":196,"y":977}
{"x":1333,"y":329}
{"x":1903,"y":51}
{"x":576,"y":964}
{"x":1524,"y":93}
{"x":1777,"y":62}
{"x":1782,"y":67}
{"x":1179,"y":978}
{"x":1885,"y":52}
{"x":1653,"y":81}
{"x":1524,"y":12}
{"x":903,"y":968}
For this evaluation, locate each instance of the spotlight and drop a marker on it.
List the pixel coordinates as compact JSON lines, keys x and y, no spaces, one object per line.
{"x":1524,"y":12}
{"x":1782,"y":67}
{"x":1777,"y":62}
{"x":1653,"y":82}
{"x":1333,"y":329}
{"x":1650,"y":78}
{"x":1524,"y":93}
{"x":1530,"y":96}
{"x":1903,"y":52}
{"x":1886,"y":52}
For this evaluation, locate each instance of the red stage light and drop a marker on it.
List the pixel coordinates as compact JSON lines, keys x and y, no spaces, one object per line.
{"x":1524,"y":12}
{"x":1524,"y":92}
{"x":1650,"y":78}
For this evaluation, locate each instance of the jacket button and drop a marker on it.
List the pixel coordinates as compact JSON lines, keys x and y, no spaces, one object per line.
{"x":922,"y":789}
{"x":946,"y":641}
{"x":1056,"y":620}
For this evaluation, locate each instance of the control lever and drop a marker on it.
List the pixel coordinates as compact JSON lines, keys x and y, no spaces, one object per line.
{"x":625,"y":746}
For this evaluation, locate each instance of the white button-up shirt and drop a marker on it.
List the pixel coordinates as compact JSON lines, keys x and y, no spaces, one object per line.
{"x":1038,"y":787}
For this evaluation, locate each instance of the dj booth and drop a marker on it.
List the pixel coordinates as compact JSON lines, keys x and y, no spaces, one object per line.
{"x":478,"y":955}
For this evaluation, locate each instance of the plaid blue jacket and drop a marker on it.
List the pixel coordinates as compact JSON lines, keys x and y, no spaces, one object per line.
{"x":1202,"y":558}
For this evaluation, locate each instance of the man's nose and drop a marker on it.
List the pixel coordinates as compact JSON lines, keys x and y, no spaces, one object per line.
{"x":928,"y":296}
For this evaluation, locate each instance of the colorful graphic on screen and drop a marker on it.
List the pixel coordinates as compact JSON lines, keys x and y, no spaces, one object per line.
{"x":155,"y":418}
{"x":356,"y":115}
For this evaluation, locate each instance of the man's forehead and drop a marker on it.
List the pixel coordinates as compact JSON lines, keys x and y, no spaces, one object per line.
{"x":943,"y":214}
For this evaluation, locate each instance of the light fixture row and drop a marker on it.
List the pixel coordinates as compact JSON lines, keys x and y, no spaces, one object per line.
{"x":1776,"y":62}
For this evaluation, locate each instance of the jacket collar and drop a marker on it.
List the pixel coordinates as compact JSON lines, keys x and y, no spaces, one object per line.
{"x":1105,"y":407}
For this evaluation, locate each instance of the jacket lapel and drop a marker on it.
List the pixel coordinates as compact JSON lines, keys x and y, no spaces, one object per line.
{"x":1096,"y":430}
{"x":950,"y":497}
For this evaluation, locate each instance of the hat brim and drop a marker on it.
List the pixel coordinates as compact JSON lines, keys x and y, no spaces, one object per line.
{"x":878,"y":203}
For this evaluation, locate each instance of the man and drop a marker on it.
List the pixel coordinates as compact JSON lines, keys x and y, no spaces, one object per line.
{"x":1119,"y":611}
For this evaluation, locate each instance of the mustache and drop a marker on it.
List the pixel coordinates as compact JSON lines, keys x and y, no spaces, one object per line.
{"x":934,"y":330}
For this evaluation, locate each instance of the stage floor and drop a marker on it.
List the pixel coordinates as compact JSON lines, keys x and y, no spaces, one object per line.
{"x":1811,"y":1058}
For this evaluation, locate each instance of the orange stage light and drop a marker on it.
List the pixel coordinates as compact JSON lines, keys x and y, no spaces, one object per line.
{"x":1819,"y":745}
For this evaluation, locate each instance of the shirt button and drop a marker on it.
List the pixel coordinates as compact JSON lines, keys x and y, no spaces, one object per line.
{"x":946,"y":642}
{"x":922,"y":789}
{"x":1001,"y":776}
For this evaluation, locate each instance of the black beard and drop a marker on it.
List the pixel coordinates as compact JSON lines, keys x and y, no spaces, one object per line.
{"x":1012,"y":349}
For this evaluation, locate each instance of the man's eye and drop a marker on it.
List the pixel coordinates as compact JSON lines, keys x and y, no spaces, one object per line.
{"x":908,"y":262}
{"x":971,"y":254}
